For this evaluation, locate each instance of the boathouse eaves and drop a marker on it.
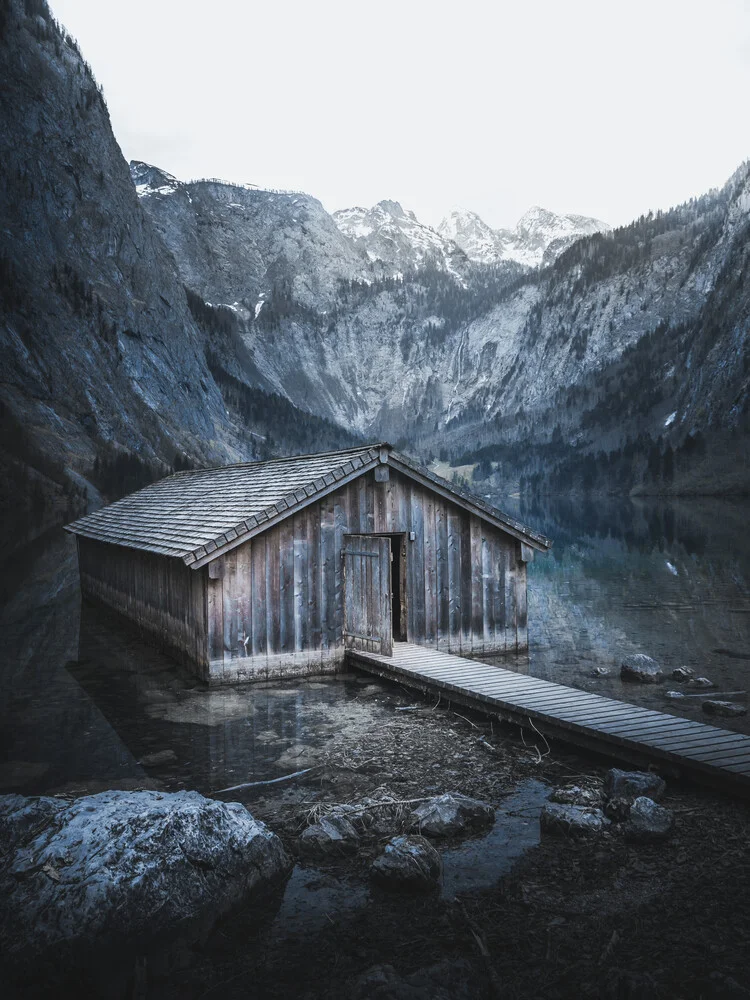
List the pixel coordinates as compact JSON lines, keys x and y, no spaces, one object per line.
{"x":197,"y":516}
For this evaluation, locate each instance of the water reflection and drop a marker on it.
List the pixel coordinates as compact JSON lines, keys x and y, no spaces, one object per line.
{"x":668,"y":579}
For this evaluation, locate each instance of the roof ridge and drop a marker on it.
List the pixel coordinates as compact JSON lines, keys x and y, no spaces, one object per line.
{"x":275,"y":461}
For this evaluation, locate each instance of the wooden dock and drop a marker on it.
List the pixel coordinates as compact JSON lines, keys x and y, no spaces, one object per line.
{"x":637,"y":735}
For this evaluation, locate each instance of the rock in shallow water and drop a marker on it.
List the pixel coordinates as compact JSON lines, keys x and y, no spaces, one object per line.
{"x":640,"y":669}
{"x":630,"y":784}
{"x":408,"y":862}
{"x":121,"y":873}
{"x":648,"y":821}
{"x":729,"y":709}
{"x":572,"y":821}
{"x":331,"y":835}
{"x":682,"y":673}
{"x":451,"y":814}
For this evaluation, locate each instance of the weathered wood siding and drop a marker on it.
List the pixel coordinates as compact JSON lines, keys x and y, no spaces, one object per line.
{"x":276,"y":603}
{"x":161,"y":595}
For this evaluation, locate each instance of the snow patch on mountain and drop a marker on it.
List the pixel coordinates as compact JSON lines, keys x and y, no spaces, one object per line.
{"x":394,"y":237}
{"x":539,"y":237}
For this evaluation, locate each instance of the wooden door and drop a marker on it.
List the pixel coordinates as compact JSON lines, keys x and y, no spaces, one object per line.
{"x":367,"y":594}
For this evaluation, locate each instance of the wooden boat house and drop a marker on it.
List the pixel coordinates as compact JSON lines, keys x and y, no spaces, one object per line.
{"x":274,"y":569}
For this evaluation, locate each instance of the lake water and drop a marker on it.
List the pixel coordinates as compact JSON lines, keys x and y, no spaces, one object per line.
{"x":671,"y":580}
{"x":85,"y":702}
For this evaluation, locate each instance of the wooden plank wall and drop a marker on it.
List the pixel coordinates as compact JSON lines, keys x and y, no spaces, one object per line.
{"x":162,"y":596}
{"x":277,"y":606}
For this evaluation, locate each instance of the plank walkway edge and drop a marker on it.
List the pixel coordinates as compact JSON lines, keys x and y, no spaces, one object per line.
{"x":627,"y":732}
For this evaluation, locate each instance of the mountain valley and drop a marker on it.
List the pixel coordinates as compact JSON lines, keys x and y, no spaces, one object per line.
{"x":151,"y":323}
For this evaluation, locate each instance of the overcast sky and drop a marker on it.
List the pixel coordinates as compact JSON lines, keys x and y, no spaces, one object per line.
{"x":602,"y":108}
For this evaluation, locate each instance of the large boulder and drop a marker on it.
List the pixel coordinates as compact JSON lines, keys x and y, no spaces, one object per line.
{"x":331,"y":835}
{"x":629,"y":785}
{"x":123,"y":874}
{"x":648,"y":821}
{"x":451,"y":814}
{"x":640,"y":669}
{"x":408,"y":862}
{"x":559,"y":819}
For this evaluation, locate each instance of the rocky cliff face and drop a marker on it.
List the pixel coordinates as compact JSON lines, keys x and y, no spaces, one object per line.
{"x":98,"y":342}
{"x":396,"y":241}
{"x":102,"y":357}
{"x":234,"y":244}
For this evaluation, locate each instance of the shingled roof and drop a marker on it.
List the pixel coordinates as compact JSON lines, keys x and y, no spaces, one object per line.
{"x":197,"y":515}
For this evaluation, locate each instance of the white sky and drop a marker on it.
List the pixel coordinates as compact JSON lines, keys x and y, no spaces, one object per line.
{"x":602,"y":108}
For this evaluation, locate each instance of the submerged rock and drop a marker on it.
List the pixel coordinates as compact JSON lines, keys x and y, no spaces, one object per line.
{"x":640,"y":669}
{"x":332,"y":834}
{"x":730,"y":709}
{"x":451,"y":814}
{"x":408,"y":862}
{"x":701,"y":682}
{"x":648,"y":821}
{"x":682,"y":673}
{"x":572,"y":821}
{"x":630,"y":784}
{"x":121,"y":874}
{"x":674,"y":694}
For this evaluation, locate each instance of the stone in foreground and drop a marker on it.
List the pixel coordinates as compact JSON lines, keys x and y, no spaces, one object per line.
{"x":408,"y":862}
{"x":640,"y":669}
{"x":729,"y":709}
{"x":630,"y":784}
{"x":572,"y":821}
{"x":451,"y":814}
{"x":577,"y":795}
{"x":648,"y":821}
{"x":331,"y":835}
{"x":122,"y":874}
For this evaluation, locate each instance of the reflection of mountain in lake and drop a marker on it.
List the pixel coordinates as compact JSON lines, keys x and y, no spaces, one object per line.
{"x":670,"y":580}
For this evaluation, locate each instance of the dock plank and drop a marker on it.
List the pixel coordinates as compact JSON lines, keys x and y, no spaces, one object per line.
{"x":580,"y":717}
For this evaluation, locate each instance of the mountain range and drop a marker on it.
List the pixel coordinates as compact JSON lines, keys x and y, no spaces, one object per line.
{"x":150,"y":323}
{"x":539,"y":237}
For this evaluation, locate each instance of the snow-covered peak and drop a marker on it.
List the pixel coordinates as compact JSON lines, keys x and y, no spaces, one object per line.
{"x":540,"y":236}
{"x":541,"y":225}
{"x":149,"y":179}
{"x":479,"y":241}
{"x":393,"y":235}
